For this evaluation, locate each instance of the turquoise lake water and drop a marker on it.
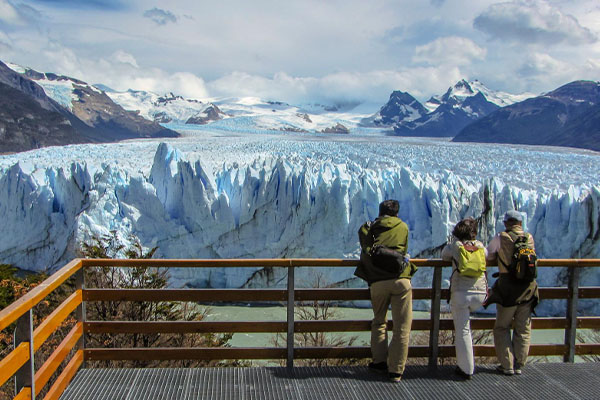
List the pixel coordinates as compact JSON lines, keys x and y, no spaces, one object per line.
{"x":278,"y":313}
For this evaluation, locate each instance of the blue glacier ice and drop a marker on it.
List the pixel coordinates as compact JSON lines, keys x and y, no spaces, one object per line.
{"x":270,"y":197}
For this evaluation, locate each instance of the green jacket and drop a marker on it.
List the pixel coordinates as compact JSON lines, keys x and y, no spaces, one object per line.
{"x":386,"y":231}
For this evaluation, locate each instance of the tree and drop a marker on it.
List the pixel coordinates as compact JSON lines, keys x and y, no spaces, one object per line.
{"x":110,"y":246}
{"x":12,"y":287}
{"x":317,"y":310}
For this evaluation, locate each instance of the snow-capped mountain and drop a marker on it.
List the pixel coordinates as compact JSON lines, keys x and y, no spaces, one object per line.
{"x":247,"y":114}
{"x":462,"y":104}
{"x":28,"y":118}
{"x":442,"y":115}
{"x":163,"y":109}
{"x":567,"y":116}
{"x":462,"y":90}
{"x":210,"y":114}
{"x":400,"y":107}
{"x":501,"y":99}
{"x":75,"y":112}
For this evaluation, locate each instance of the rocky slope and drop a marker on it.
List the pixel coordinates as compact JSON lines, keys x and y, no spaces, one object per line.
{"x":457,"y":108}
{"x":41,"y":110}
{"x":568,"y":116}
{"x":209,"y":114}
{"x":401,"y":107}
{"x":25,"y":124}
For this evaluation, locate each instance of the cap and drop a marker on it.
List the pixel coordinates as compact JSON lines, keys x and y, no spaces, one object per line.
{"x":514,"y":215}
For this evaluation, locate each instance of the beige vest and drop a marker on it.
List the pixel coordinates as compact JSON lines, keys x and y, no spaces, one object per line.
{"x":507,"y":247}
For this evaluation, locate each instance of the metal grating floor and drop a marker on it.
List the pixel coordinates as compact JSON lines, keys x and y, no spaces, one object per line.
{"x":539,"y":381}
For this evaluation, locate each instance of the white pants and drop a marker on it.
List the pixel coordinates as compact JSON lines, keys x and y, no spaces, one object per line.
{"x":462,"y":304}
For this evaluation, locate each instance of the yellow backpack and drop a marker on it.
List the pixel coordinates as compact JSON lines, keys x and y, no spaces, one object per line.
{"x":471,"y":260}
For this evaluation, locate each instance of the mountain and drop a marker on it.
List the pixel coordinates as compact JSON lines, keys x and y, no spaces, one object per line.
{"x":441,"y":116}
{"x":28,"y":118}
{"x":568,"y":116}
{"x":209,"y":114}
{"x":400,"y":107}
{"x":44,"y":109}
{"x":25,"y":124}
{"x":237,"y":114}
{"x":461,"y":104}
{"x":158,"y":108}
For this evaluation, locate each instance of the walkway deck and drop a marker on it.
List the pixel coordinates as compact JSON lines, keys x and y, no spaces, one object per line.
{"x":539,"y":381}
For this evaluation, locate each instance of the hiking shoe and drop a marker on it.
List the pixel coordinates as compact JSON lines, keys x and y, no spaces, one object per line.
{"x":462,"y":374}
{"x":394,"y":377}
{"x":378,"y":367}
{"x":507,"y":372}
{"x":518,"y":370}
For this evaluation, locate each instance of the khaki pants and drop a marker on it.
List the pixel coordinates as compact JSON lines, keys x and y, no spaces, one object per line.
{"x":513,"y":351}
{"x":398,"y":293}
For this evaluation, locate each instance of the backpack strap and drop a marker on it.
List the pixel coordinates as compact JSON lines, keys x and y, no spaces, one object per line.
{"x":513,"y":237}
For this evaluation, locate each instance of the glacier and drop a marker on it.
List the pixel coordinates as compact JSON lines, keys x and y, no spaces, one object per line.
{"x":213,"y":194}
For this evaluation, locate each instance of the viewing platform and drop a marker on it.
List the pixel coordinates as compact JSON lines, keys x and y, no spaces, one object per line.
{"x":78,"y":379}
{"x":545,"y":381}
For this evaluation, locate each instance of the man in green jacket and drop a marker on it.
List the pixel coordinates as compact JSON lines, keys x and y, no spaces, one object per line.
{"x":389,"y":282}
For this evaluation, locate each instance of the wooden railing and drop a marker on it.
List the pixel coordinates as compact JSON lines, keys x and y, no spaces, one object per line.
{"x":29,"y":381}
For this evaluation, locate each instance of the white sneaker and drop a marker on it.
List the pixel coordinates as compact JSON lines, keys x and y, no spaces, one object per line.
{"x":518,"y":369}
{"x":507,"y":372}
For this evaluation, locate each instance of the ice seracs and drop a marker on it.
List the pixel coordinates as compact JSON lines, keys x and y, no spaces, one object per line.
{"x":295,"y":199}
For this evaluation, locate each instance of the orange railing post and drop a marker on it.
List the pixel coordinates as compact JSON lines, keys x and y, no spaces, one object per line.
{"x":80,"y":311}
{"x":24,"y":378}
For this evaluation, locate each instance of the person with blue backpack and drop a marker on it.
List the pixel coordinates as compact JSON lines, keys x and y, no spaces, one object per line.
{"x":468,"y":288}
{"x":515,"y":293}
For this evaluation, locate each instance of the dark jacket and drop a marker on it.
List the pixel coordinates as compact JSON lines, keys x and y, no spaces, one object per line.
{"x":387,"y":231}
{"x":508,"y":292}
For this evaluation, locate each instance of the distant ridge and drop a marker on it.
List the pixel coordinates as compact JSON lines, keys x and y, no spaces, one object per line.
{"x":31,"y":119}
{"x":568,"y":116}
{"x":440,"y":116}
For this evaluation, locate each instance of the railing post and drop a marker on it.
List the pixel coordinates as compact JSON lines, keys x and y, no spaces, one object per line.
{"x":25,"y":376}
{"x":571,"y":329}
{"x":80,"y":311}
{"x":290,"y":316}
{"x":434,"y":333}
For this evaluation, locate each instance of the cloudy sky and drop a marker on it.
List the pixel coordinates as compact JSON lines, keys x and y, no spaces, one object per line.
{"x":306,"y":50}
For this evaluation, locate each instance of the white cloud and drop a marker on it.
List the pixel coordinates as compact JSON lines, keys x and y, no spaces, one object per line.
{"x":17,"y":14}
{"x":5,"y":42}
{"x":532,"y":21}
{"x":536,"y":63}
{"x":121,"y":71}
{"x":451,"y":50}
{"x":125,"y":58}
{"x":552,"y":72}
{"x":9,"y":14}
{"x":338,"y":88}
{"x":335,"y":51}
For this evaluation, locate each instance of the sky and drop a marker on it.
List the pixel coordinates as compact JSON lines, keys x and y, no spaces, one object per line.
{"x":298,"y":51}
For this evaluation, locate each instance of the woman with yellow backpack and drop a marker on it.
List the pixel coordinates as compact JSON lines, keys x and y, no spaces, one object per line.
{"x":468,"y":288}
